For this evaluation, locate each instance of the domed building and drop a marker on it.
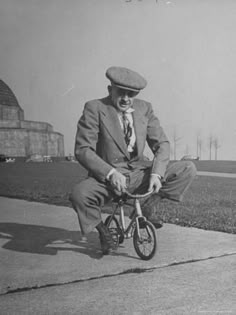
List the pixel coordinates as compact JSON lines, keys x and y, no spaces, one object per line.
{"x":22,"y":138}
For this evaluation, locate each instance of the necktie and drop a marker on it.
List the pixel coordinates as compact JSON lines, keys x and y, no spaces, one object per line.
{"x":127,"y":128}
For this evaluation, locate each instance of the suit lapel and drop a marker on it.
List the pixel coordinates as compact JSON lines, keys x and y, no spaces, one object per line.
{"x":112,"y":124}
{"x":140,"y":127}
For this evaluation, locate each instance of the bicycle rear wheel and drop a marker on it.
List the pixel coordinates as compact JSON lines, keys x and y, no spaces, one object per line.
{"x":145,"y":245}
{"x":115,"y":230}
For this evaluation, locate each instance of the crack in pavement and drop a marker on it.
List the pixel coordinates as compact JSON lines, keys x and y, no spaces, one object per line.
{"x":128,"y":271}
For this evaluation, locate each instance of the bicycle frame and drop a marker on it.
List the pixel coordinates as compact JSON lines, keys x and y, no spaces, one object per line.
{"x":128,"y":232}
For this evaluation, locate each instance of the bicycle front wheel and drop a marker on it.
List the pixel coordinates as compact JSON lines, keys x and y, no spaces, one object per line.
{"x":145,"y":244}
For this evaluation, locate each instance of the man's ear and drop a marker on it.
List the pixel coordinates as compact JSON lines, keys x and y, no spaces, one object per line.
{"x":109,"y":89}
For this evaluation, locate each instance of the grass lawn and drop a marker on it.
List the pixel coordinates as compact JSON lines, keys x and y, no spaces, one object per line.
{"x":210,"y":203}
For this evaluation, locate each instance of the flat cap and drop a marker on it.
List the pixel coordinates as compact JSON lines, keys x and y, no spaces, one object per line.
{"x":126,"y":78}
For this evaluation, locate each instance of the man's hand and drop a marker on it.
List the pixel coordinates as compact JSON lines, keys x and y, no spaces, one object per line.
{"x":118,"y":181}
{"x":154,"y":183}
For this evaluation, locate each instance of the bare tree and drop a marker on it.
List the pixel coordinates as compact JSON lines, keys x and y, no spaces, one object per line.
{"x":210,"y":141}
{"x":199,"y":146}
{"x":216,"y":146}
{"x":175,"y":141}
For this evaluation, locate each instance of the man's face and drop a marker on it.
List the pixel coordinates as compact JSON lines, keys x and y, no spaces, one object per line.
{"x":122,"y":99}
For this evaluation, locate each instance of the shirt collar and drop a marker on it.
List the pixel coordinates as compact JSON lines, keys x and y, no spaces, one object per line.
{"x":128,"y":111}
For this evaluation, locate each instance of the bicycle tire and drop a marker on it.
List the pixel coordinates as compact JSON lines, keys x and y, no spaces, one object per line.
{"x":116,"y":232}
{"x":145,"y":245}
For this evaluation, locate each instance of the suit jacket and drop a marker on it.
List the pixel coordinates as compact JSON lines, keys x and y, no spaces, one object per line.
{"x":100,"y":144}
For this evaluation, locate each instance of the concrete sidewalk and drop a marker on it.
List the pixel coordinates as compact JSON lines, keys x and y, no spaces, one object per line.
{"x":40,"y":245}
{"x":215,"y":174}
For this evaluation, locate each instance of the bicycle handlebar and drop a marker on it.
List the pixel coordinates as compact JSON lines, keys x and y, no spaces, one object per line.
{"x":138,"y":195}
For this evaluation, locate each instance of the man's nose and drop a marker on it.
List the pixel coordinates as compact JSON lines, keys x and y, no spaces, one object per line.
{"x":125,"y":96}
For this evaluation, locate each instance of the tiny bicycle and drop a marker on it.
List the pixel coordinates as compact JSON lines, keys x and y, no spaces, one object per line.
{"x":142,"y":231}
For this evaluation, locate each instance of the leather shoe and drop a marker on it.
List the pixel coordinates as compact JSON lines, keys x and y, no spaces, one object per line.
{"x":107,"y":243}
{"x":157,"y":223}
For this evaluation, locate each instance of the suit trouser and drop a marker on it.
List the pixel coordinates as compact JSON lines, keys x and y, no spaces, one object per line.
{"x":90,"y":195}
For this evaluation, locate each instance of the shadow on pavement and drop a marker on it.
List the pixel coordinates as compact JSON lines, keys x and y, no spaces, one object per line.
{"x":45,"y":240}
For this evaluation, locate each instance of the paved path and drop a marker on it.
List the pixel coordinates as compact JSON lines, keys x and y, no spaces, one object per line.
{"x":41,"y":248}
{"x":229,"y":175}
{"x":201,"y":288}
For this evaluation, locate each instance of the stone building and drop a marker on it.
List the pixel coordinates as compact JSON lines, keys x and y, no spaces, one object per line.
{"x":19,"y":137}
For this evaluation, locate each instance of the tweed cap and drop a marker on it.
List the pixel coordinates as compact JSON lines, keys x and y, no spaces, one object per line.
{"x":126,"y":79}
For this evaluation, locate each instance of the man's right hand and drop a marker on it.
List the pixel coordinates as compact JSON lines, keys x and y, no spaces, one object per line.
{"x":118,"y":181}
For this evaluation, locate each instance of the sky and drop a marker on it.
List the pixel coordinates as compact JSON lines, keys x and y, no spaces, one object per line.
{"x":54,"y":54}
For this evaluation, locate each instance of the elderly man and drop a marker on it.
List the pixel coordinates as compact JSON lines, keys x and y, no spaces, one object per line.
{"x":110,"y":142}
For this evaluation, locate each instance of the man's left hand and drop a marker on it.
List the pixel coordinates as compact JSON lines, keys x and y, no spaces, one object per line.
{"x":154,"y":183}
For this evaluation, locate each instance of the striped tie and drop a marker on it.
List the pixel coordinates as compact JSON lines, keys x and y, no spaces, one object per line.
{"x":127,"y":128}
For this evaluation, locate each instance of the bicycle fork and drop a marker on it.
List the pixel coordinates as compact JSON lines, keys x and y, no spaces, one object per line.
{"x":139,"y":215}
